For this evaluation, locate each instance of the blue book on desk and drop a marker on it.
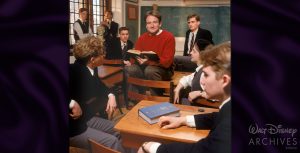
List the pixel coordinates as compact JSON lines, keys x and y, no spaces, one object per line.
{"x":152,"y":113}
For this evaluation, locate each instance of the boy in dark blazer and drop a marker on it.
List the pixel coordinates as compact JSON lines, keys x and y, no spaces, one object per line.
{"x":119,"y":46}
{"x":110,"y":25}
{"x":194,"y":33}
{"x":217,"y":85}
{"x":88,"y":95}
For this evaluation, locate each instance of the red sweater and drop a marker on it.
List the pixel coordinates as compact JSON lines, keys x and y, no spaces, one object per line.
{"x":163,"y":44}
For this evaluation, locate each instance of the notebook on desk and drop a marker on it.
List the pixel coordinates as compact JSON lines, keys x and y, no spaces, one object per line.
{"x":151,"y":114}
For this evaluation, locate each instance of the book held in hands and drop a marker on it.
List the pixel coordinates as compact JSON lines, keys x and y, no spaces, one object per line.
{"x":151,"y":114}
{"x":151,"y":55}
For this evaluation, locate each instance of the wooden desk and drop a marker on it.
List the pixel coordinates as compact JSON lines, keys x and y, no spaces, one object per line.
{"x":135,"y":130}
{"x":178,"y":75}
{"x":110,"y":75}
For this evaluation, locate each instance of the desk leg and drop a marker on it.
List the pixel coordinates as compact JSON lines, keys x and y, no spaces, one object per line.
{"x":124,"y":84}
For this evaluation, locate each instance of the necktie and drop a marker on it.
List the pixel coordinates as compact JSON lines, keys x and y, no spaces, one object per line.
{"x":124,"y":49}
{"x":191,"y":44}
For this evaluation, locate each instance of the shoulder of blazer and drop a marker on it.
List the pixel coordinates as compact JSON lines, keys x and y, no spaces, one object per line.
{"x":130,"y":43}
{"x":113,"y":23}
{"x":187,"y":33}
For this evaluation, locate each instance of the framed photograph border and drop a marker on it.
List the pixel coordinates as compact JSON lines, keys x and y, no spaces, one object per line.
{"x":132,"y":12}
{"x":134,"y":1}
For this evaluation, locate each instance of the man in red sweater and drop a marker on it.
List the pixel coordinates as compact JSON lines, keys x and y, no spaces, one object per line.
{"x":162,"y":43}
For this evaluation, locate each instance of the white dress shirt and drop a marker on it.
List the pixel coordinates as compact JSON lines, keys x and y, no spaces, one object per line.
{"x":79,"y":31}
{"x":186,"y":81}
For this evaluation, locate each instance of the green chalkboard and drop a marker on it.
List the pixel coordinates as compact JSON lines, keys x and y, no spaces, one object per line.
{"x":214,"y":19}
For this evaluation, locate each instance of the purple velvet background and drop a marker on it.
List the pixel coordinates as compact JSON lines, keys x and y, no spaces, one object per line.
{"x":34,"y":76}
{"x":265,"y":59}
{"x":34,"y":72}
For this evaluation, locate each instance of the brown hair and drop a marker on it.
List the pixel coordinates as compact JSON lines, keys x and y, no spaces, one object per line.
{"x":153,"y":13}
{"x":123,"y":28}
{"x":202,"y":44}
{"x":82,"y":10}
{"x":87,"y":48}
{"x":110,"y":12}
{"x":193,"y":16}
{"x":219,"y":58}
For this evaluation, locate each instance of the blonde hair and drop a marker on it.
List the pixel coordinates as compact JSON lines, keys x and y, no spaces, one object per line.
{"x":87,"y":48}
{"x":219,"y":58}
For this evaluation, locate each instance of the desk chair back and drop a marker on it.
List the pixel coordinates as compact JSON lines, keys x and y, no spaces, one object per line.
{"x":208,"y":103}
{"x":167,"y":85}
{"x":115,"y":62}
{"x":96,"y":147}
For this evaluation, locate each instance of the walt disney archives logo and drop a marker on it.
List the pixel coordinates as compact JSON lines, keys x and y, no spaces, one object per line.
{"x":275,"y":135}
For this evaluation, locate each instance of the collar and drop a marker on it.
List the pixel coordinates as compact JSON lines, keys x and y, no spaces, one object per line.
{"x":91,"y":70}
{"x":81,"y":20}
{"x":195,"y":32}
{"x":224,"y":102}
{"x":122,"y":43}
{"x":199,"y":67}
{"x":159,"y":32}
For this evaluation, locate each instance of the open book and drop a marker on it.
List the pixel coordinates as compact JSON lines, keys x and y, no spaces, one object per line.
{"x":151,"y":55}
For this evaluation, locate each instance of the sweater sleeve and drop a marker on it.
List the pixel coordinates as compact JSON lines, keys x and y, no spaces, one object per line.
{"x":167,"y":57}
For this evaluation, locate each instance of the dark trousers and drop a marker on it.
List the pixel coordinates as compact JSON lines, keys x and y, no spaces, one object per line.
{"x":184,"y":63}
{"x":148,"y":73}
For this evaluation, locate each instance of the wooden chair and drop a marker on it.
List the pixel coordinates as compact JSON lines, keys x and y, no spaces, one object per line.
{"x":167,"y":85}
{"x":96,"y":147}
{"x":113,"y":62}
{"x":77,"y":150}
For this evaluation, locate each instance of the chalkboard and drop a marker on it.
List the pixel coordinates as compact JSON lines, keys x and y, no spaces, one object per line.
{"x":174,"y":19}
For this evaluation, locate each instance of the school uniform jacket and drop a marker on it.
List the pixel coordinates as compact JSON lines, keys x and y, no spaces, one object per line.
{"x":217,"y":141}
{"x":89,"y":92}
{"x":114,"y":51}
{"x":201,"y":34}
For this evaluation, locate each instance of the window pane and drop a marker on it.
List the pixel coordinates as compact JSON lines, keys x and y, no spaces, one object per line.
{"x":98,"y":19}
{"x":76,"y":8}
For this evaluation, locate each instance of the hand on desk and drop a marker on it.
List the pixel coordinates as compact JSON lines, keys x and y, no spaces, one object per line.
{"x":169,"y":122}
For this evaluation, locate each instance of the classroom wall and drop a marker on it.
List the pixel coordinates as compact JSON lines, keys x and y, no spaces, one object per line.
{"x":120,"y":9}
{"x":186,"y":7}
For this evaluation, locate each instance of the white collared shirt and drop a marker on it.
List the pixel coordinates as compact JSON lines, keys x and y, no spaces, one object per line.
{"x":79,"y":31}
{"x":159,"y":32}
{"x":190,"y":37}
{"x":123,"y":44}
{"x":91,"y":70}
{"x":224,"y":102}
{"x":186,"y":81}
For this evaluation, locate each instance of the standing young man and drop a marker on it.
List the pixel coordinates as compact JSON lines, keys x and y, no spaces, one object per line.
{"x":194,"y":33}
{"x":81,"y":26}
{"x":111,"y":26}
{"x":162,"y":43}
{"x":217,"y":85}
